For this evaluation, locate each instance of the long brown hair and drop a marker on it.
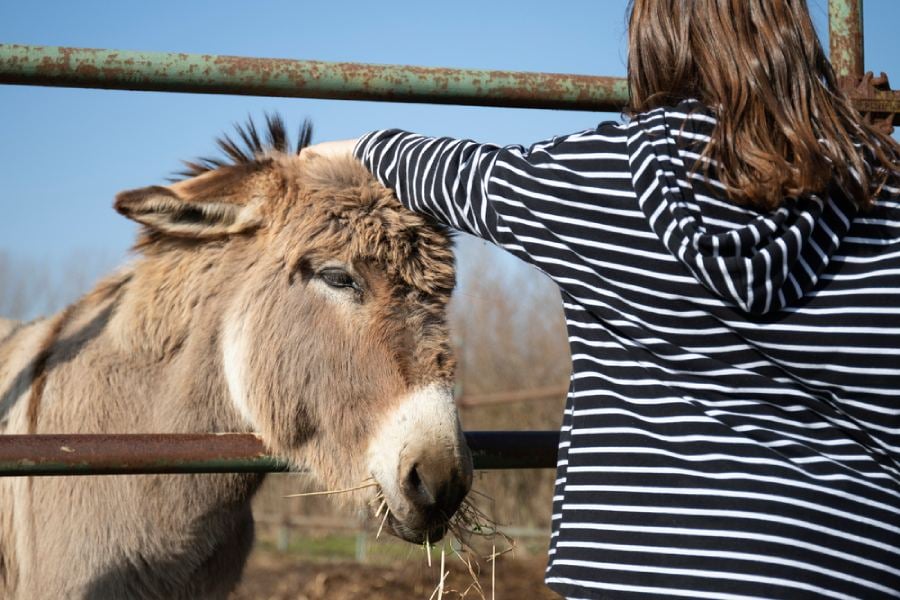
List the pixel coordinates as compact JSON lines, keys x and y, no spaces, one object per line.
{"x":785,"y":128}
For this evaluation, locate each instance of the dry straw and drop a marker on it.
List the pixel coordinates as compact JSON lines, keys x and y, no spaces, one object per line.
{"x":468,"y":526}
{"x":361,"y":486}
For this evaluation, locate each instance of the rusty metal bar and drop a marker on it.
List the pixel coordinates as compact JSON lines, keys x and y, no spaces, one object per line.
{"x":845,"y":28}
{"x":213,"y":74}
{"x":133,"y":454}
{"x":871,"y":96}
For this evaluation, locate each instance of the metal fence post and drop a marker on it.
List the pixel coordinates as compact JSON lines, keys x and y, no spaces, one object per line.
{"x":845,"y":27}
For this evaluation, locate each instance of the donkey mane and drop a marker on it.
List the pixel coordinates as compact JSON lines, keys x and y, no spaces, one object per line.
{"x":340,"y":195}
{"x":251,"y":148}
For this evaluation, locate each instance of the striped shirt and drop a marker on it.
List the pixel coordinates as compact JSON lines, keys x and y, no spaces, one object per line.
{"x":732,"y":428}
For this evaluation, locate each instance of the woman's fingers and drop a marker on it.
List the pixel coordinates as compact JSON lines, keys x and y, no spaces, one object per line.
{"x":330,"y":149}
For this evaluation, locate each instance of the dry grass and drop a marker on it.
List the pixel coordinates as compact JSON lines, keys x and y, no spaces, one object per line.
{"x":471,"y":530}
{"x":470,"y":527}
{"x":273,"y":576}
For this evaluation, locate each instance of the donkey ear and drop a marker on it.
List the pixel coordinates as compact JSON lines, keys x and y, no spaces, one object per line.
{"x":162,"y":210}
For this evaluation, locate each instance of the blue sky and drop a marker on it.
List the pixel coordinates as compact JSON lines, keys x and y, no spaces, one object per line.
{"x":64,"y":153}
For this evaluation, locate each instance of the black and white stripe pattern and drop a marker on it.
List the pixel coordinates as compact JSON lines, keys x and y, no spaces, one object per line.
{"x":732,"y":428}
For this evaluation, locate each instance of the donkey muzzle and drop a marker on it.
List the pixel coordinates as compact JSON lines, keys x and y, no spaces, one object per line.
{"x":434,"y":485}
{"x":421,"y":461}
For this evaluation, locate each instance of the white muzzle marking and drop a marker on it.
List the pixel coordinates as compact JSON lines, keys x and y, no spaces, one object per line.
{"x":425,"y":416}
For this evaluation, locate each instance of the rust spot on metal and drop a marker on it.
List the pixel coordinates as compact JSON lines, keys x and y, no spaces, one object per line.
{"x":90,"y":71}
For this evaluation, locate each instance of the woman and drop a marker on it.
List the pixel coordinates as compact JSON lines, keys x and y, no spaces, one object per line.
{"x":729,"y":264}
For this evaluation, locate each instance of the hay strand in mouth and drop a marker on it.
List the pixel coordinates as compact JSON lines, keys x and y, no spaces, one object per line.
{"x":383,"y":521}
{"x":473,"y":573}
{"x":493,"y":569}
{"x":439,"y":589}
{"x":330,"y":492}
{"x":469,"y":525}
{"x":470,"y":522}
{"x":443,"y":573}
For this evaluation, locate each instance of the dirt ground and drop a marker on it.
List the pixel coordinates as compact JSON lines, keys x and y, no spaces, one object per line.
{"x":273,"y":576}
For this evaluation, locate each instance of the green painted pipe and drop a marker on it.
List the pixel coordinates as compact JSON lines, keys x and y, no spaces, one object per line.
{"x":213,"y":74}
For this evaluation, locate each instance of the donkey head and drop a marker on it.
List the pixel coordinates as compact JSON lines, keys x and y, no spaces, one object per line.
{"x":332,"y":337}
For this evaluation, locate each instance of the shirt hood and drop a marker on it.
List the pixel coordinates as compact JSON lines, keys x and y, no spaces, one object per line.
{"x":762,"y":265}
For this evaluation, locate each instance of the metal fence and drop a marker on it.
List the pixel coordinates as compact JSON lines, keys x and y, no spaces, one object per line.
{"x":211,"y":74}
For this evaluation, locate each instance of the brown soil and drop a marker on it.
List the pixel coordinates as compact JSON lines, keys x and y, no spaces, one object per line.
{"x":272,"y":576}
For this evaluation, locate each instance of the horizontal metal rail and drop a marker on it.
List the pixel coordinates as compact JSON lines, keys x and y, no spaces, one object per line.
{"x":132,"y":454}
{"x":214,"y":74}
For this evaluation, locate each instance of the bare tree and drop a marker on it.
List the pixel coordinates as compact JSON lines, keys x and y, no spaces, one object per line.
{"x":511,"y":335}
{"x":30,"y":288}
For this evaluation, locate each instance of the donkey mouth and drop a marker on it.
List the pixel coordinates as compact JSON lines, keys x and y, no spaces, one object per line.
{"x":417,"y":535}
{"x":421,"y":507}
{"x":416,"y":528}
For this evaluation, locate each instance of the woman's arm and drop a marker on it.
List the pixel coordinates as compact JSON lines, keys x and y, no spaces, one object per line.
{"x":399,"y":164}
{"x":532,"y":201}
{"x":456,"y":197}
{"x":442,"y":177}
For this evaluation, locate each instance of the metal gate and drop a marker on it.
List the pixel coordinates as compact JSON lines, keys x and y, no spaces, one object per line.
{"x":209,"y":74}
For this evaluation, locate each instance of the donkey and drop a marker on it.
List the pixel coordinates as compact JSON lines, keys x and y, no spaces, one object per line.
{"x":273,"y":292}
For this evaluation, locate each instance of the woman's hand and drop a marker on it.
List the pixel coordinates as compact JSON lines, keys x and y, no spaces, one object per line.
{"x":330,"y":149}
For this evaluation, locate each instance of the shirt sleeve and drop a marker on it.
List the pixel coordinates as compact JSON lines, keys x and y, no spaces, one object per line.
{"x":516,"y":197}
{"x":442,"y":177}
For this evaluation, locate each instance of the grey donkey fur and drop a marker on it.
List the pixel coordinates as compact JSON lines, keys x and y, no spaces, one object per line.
{"x":278,"y":293}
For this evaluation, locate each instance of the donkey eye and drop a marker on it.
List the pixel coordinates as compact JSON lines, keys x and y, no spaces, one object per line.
{"x":338,"y":278}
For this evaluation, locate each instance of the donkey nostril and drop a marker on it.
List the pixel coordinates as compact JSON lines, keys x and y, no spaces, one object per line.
{"x":417,"y":488}
{"x":434,"y":491}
